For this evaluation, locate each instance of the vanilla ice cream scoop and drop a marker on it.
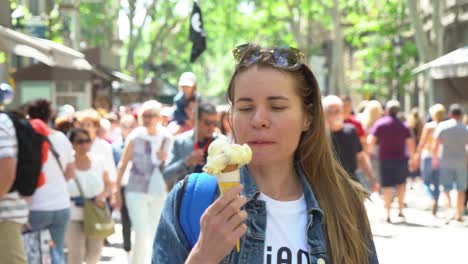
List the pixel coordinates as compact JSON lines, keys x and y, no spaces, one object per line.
{"x":222,"y":154}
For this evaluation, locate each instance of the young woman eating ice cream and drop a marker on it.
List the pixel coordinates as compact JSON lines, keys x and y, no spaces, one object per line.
{"x":295,"y":203}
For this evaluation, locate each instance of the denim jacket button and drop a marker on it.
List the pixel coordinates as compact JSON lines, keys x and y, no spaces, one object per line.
{"x":320,"y":261}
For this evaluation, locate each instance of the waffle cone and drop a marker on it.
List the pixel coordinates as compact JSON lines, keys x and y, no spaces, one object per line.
{"x":229,"y":178}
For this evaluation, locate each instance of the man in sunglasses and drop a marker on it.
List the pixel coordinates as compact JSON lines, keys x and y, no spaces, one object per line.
{"x":189,"y":153}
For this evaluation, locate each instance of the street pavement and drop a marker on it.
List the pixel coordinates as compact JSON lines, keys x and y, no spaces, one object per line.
{"x":419,"y":238}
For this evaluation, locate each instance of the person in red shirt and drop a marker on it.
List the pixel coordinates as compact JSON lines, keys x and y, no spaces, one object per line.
{"x":349,"y":118}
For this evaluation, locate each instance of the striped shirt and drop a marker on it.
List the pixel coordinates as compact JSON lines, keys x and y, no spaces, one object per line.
{"x":12,"y":206}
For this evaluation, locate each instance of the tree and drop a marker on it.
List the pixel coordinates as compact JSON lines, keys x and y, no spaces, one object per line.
{"x":136,"y":37}
{"x":366,"y":30}
{"x":384,"y":57}
{"x":97,"y":23}
{"x":427,"y":50}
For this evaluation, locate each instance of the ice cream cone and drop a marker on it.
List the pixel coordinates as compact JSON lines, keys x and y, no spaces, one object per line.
{"x":224,"y":160}
{"x":229,"y":178}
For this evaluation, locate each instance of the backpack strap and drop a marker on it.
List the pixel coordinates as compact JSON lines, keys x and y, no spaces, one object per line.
{"x":55,"y":154}
{"x":199,"y":190}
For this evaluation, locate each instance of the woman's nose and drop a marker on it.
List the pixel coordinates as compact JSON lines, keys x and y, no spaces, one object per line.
{"x":261,"y":118}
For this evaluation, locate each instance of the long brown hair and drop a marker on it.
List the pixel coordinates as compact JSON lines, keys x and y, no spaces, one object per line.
{"x":347,"y":228}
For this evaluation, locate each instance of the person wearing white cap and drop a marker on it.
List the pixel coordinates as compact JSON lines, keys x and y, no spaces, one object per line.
{"x":187,"y":90}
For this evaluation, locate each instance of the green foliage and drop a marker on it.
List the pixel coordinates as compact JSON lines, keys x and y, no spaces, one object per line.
{"x":2,"y":57}
{"x":383,"y":54}
{"x":96,"y":22}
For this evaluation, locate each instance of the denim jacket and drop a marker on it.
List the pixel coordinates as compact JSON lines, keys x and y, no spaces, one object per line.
{"x":171,"y":246}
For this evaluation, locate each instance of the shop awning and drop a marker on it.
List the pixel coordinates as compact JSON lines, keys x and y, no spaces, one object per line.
{"x":43,"y":50}
{"x":451,"y":65}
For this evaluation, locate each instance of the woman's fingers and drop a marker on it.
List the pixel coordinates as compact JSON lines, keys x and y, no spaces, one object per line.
{"x":233,"y":207}
{"x":236,"y":220}
{"x":222,"y":224}
{"x":224,"y":200}
{"x":238,"y":232}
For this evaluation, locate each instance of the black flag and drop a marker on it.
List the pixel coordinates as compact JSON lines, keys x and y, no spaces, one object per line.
{"x":197,"y":33}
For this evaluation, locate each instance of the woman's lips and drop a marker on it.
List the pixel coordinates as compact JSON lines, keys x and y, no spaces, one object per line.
{"x":260,"y":143}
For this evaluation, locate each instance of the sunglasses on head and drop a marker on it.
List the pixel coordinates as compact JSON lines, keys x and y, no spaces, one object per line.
{"x":283,"y":57}
{"x":82,"y":141}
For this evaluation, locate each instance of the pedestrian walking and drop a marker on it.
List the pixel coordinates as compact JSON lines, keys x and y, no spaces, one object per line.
{"x":147,"y":147}
{"x":90,"y":119}
{"x":93,"y":179}
{"x":415,"y":124}
{"x":127,"y":124}
{"x":424,"y":155}
{"x":350,"y":118}
{"x":396,"y":149}
{"x":189,"y":151}
{"x":176,"y":127}
{"x":346,"y":141}
{"x":453,"y":136}
{"x":50,"y":205}
{"x":13,"y":208}
{"x":372,"y":112}
{"x":187,"y":92}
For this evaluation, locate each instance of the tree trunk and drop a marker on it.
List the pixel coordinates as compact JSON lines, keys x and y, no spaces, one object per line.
{"x":425,"y":51}
{"x":133,"y":45}
{"x":438,"y":27}
{"x":131,"y":16}
{"x":336,"y":81}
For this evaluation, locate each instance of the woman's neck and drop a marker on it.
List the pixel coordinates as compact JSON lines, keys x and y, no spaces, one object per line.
{"x":81,"y":156}
{"x":279,"y":181}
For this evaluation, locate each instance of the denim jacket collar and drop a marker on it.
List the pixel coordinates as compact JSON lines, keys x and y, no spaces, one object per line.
{"x":251,"y":191}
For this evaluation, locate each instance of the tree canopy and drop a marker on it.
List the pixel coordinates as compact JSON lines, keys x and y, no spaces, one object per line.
{"x":364,"y":40}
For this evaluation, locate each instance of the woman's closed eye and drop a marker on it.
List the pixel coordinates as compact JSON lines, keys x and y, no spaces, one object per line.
{"x":244,"y":108}
{"x":278,"y":107}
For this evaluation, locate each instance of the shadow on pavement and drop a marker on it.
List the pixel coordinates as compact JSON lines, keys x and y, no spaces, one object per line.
{"x":409,"y":224}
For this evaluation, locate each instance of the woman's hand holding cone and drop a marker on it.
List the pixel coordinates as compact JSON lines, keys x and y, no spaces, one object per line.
{"x":221,"y":227}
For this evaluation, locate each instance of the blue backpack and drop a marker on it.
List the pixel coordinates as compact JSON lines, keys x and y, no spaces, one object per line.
{"x":198,"y":193}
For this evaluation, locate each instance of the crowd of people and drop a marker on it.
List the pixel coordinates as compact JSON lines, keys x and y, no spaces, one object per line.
{"x":131,"y":158}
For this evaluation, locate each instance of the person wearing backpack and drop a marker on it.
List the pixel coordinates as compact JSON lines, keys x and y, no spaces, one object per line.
{"x":295,"y":203}
{"x":13,"y":208}
{"x":50,"y":205}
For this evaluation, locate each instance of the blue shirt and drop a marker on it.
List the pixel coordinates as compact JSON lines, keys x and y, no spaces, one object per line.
{"x":171,"y":245}
{"x":180,"y":103}
{"x":117,"y":149}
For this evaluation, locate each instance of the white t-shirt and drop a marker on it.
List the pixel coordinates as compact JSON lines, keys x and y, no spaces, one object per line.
{"x":91,"y":182}
{"x":103,"y":150}
{"x":286,"y":231}
{"x":53,"y":195}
